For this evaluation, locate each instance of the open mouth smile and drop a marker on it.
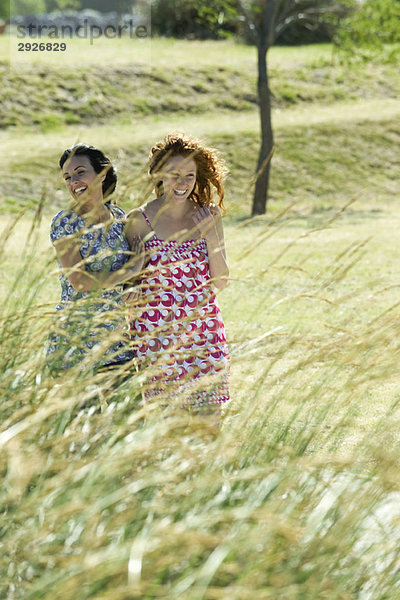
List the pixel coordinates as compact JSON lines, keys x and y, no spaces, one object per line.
{"x":80,"y":190}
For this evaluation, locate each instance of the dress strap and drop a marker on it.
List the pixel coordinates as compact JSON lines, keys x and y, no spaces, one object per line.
{"x":146,"y":219}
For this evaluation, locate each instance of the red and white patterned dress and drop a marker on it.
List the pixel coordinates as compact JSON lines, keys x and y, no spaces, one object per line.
{"x":178,"y":331}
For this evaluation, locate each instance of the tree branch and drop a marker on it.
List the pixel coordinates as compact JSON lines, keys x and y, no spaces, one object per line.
{"x":313,"y":16}
{"x":253,"y":30}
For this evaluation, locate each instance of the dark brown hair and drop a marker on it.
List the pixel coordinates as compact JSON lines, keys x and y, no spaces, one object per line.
{"x":99,"y":161}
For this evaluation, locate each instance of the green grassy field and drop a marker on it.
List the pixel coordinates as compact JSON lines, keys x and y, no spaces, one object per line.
{"x":297,"y":496}
{"x":127,"y":102}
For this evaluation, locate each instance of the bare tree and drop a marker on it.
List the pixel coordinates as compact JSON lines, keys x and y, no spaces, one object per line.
{"x":266,"y":20}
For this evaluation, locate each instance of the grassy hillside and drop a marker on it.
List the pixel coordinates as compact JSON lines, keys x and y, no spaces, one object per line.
{"x":126,"y":92}
{"x":296,"y":497}
{"x":322,"y":112}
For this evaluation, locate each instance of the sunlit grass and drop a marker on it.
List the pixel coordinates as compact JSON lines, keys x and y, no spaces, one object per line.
{"x":341,"y":112}
{"x":343,"y":152}
{"x":297,"y":496}
{"x":335,"y":116}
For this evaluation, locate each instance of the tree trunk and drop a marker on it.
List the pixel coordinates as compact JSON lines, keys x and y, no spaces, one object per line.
{"x":267,"y":139}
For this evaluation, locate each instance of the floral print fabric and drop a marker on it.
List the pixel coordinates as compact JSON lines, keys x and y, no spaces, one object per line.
{"x":87,"y":319}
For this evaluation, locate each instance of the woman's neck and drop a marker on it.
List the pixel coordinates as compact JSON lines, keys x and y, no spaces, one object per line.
{"x":94,"y":213}
{"x":173,"y":209}
{"x":172,"y":220}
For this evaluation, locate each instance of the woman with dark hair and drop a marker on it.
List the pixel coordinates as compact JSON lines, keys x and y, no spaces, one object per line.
{"x":99,"y":162}
{"x":95,"y":261}
{"x":177,"y":323}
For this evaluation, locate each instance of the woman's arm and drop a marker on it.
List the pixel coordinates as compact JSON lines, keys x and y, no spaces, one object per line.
{"x":136,"y":225}
{"x":209,"y":224}
{"x":73,"y":266}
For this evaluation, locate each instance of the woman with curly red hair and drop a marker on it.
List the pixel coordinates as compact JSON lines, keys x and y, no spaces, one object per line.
{"x":177,"y":324}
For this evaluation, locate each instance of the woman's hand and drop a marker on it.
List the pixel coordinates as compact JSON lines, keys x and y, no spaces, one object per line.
{"x":136,"y":262}
{"x":137,"y":250}
{"x":209,"y":223}
{"x":134,"y":266}
{"x":204,"y":220}
{"x":130,"y":294}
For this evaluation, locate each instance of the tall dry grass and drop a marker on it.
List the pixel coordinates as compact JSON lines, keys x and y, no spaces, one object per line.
{"x":296,"y":497}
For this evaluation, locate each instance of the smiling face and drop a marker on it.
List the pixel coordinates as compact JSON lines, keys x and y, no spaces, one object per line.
{"x":179,"y":177}
{"x":82,"y":181}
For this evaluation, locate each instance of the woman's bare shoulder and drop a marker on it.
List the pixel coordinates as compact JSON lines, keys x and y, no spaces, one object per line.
{"x":136,"y":221}
{"x":139,"y":219}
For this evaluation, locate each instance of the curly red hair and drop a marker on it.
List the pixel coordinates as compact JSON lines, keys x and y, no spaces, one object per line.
{"x":211,"y":169}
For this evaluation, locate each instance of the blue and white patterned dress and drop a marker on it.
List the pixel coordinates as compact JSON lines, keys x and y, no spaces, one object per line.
{"x":87,"y":319}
